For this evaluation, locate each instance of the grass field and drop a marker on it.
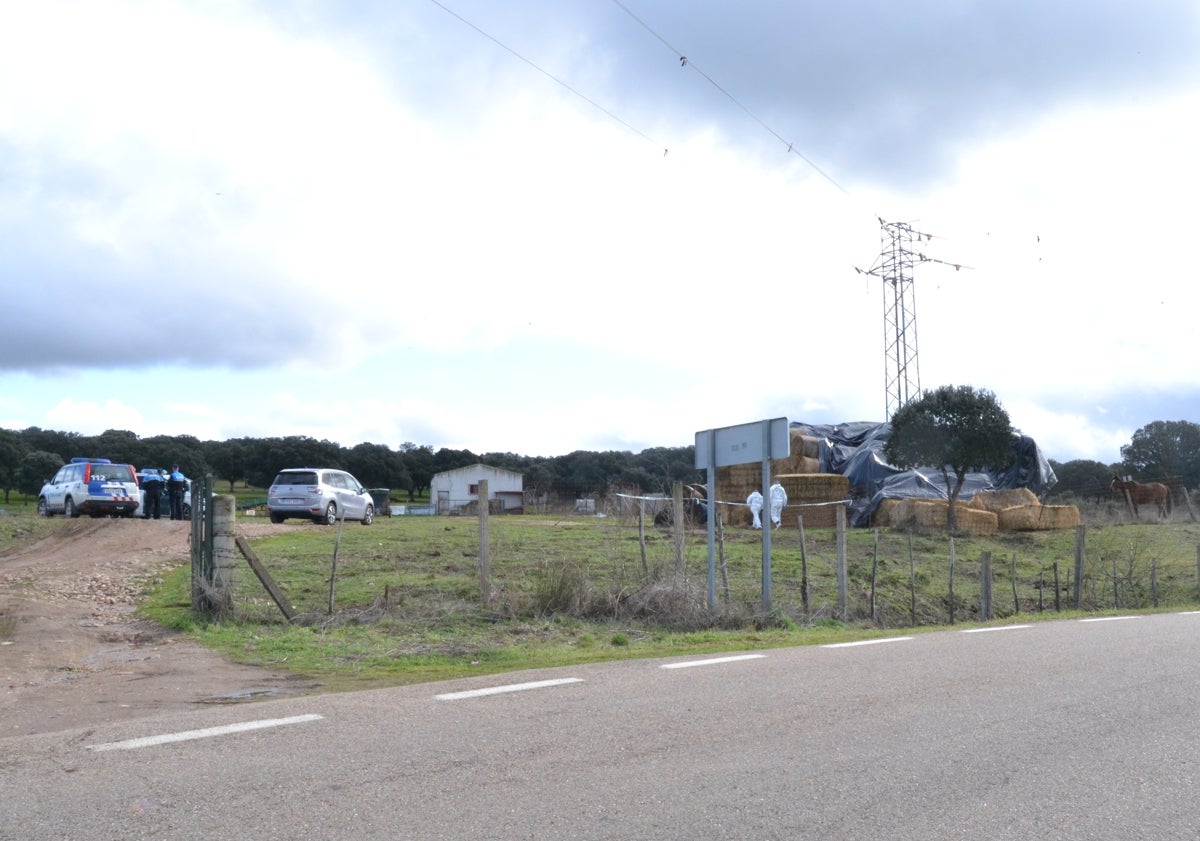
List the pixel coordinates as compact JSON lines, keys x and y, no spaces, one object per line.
{"x":406,"y":602}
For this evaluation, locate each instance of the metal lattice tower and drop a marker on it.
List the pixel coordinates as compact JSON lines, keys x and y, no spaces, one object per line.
{"x":901,"y":371}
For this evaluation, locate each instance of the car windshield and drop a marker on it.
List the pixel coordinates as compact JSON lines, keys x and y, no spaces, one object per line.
{"x":305,"y":478}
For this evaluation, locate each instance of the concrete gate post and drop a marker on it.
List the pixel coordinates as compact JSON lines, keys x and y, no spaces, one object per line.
{"x":224,"y":555}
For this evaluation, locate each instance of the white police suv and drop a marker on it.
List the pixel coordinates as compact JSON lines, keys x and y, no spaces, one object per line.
{"x":92,"y":486}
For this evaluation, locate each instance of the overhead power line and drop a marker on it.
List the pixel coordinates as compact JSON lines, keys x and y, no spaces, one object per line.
{"x":547,"y":74}
{"x":684,"y":61}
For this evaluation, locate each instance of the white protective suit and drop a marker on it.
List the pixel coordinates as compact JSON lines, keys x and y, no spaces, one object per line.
{"x":778,"y":501}
{"x":755,"y":501}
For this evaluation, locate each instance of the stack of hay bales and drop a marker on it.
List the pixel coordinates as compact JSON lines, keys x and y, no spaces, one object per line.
{"x":1018,"y":509}
{"x":735,"y":483}
{"x":935,"y":513}
{"x":808,"y":489}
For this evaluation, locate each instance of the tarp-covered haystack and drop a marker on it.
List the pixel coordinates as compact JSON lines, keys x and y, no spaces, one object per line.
{"x":855,"y":450}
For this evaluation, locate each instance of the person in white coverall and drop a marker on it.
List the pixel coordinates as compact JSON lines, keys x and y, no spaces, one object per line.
{"x":755,"y":501}
{"x":778,"y":501}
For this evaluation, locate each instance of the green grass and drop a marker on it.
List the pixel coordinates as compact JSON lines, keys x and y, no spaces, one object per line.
{"x":408,"y":603}
{"x":20,"y":525}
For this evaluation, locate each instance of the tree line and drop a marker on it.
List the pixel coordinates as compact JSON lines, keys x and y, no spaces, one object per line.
{"x":29,"y":457}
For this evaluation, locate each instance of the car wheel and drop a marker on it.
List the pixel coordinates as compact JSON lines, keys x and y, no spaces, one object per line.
{"x":330,"y":514}
{"x":369,"y":515}
{"x":276,"y":518}
{"x":187,"y":511}
{"x":69,"y":509}
{"x":43,"y":509}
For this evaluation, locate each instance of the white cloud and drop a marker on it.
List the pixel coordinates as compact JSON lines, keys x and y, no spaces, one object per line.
{"x":375,"y":224}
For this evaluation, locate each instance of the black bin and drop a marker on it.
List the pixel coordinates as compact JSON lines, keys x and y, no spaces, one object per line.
{"x":382,"y":499}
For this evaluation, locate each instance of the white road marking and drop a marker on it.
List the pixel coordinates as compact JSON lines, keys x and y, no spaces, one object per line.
{"x":512,"y":687}
{"x":712,"y":661}
{"x":997,"y":628}
{"x":1109,"y":618}
{"x":865,"y":642}
{"x":188,"y":735}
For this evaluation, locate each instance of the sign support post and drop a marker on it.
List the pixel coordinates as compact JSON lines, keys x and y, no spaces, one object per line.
{"x":764,"y":441}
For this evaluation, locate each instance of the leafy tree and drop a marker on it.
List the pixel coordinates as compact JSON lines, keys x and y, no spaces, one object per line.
{"x":275,"y":454}
{"x":418,"y":461}
{"x":951,"y":429}
{"x":584,"y":472}
{"x":12,"y":449}
{"x":228,"y":459}
{"x":1084,"y":478}
{"x":378,"y":465}
{"x":447,"y":459}
{"x":1162,"y":449}
{"x":539,"y":479}
{"x":118,"y":445}
{"x":36,"y":467}
{"x":66,"y":445}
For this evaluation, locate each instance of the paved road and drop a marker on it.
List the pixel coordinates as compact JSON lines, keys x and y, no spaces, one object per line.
{"x":1060,"y":730}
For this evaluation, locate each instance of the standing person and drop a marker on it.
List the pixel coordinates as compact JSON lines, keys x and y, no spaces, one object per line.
{"x":152,"y":484}
{"x":176,"y":485}
{"x":755,"y":501}
{"x":778,"y":502}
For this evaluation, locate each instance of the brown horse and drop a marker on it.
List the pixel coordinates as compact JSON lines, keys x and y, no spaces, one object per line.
{"x":1138,"y":493}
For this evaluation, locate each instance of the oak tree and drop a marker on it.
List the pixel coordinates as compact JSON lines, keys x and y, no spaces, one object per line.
{"x":952,"y":429}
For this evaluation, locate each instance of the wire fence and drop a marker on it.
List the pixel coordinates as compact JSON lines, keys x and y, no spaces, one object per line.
{"x":631,"y":557}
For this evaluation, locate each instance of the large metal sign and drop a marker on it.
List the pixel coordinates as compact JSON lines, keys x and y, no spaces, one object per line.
{"x":762,"y":441}
{"x":743,"y":444}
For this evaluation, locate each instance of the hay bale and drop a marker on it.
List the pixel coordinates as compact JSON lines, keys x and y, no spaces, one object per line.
{"x":740,"y":476}
{"x":934,"y":513}
{"x":808,"y":446}
{"x":733,"y":515}
{"x":884,"y":513}
{"x":1038,"y":517}
{"x":806,"y":493}
{"x":997,"y":501}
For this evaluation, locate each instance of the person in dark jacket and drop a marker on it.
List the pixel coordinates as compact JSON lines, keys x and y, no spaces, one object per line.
{"x":152,"y":484}
{"x":176,"y":485}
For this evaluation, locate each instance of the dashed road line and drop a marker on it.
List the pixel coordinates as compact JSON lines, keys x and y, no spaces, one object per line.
{"x":712,"y":661}
{"x":512,"y":687}
{"x":208,"y":732}
{"x":997,"y":628}
{"x":865,"y":642}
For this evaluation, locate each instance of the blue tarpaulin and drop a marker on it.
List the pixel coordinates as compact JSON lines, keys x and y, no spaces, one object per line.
{"x":855,"y":450}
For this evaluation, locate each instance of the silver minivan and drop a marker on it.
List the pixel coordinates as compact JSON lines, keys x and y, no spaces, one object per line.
{"x":323,"y":495}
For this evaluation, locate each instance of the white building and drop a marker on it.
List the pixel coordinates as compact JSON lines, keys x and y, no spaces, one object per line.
{"x":452,"y":490}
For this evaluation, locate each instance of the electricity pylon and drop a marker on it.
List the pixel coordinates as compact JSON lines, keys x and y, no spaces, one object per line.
{"x":894,"y":266}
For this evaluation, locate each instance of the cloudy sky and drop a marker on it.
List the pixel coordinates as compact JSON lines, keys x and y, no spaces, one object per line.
{"x":531,"y":227}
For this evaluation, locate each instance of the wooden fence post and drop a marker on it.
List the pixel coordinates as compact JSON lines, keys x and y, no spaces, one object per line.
{"x":843,"y":583}
{"x":985,"y":586}
{"x":1080,"y":532}
{"x":485,"y":558}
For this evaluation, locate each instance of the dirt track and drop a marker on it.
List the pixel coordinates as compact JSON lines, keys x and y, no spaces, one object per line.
{"x":74,"y":655}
